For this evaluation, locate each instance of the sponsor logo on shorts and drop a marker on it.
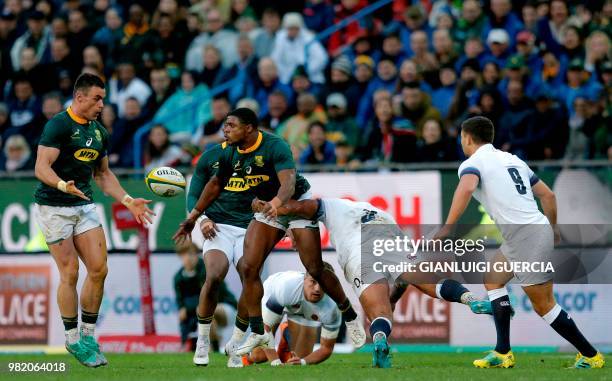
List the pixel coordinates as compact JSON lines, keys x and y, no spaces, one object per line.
{"x":86,"y":154}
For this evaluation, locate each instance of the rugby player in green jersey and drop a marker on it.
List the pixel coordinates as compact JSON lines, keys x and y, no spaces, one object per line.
{"x":261,"y":164}
{"x":223,"y":227}
{"x":71,"y":150}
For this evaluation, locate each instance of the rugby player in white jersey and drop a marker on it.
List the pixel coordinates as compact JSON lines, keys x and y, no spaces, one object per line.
{"x":298,"y":295}
{"x":506,"y":186}
{"x":344,"y":220}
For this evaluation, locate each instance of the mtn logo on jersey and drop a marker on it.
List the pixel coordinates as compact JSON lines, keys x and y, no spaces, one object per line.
{"x":239,"y":184}
{"x":86,"y":154}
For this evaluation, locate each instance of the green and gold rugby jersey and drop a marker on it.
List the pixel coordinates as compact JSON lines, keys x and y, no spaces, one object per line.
{"x":230,"y":208}
{"x":255,"y":169}
{"x":82,"y":144}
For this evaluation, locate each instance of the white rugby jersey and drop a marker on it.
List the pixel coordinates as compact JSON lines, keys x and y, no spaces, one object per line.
{"x":286,"y":288}
{"x":343,"y":219}
{"x":505,"y":185}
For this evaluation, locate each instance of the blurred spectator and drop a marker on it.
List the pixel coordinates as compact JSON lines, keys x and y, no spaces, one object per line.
{"x":529,"y":16}
{"x":266,"y":35}
{"x":434,"y":145}
{"x":295,"y":129}
{"x":17,"y":155}
{"x":472,"y":50}
{"x":442,"y":97}
{"x":121,"y":142}
{"x":40,"y":77}
{"x":551,"y":73}
{"x":416,"y":107}
{"x":341,"y":127}
{"x":108,"y":118}
{"x":162,"y":90}
{"x":572,"y":45}
{"x":249,"y":103}
{"x":79,"y":35}
{"x":51,"y":105}
{"x":498,"y":42}
{"x":348,"y":35}
{"x":525,"y":47}
{"x":443,"y":47}
{"x":387,"y":138}
{"x":318,"y":15}
{"x":598,"y":51}
{"x":300,"y":83}
{"x":8,"y":35}
{"x":159,"y":152}
{"x":471,"y":23}
{"x":215,"y":34}
{"x":108,"y":37}
{"x":137,"y":44}
{"x":578,"y":144}
{"x":364,"y":72}
{"x":241,"y":10}
{"x":126,"y":85}
{"x":516,"y":126}
{"x":466,"y":92}
{"x":172,"y":41}
{"x":185,"y":110}
{"x":579,"y":82}
{"x":409,"y":72}
{"x":392,"y":49}
{"x":550,"y":119}
{"x":278,"y":111}
{"x":295,"y":45}
{"x":244,"y":70}
{"x":212,"y":73}
{"x":516,"y":69}
{"x":419,"y":43}
{"x":24,"y":106}
{"x":413,"y":20}
{"x":62,"y":59}
{"x":93,"y":58}
{"x":503,"y":18}
{"x":385,"y":80}
{"x":319,"y":150}
{"x":212,"y":132}
{"x":266,"y":82}
{"x":550,"y":27}
{"x":37,"y":36}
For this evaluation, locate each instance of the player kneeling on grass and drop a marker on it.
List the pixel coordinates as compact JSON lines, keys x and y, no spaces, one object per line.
{"x":344,"y":220}
{"x":506,"y":186}
{"x":301,"y":298}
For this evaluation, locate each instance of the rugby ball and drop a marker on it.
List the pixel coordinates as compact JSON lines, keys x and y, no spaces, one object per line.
{"x":165,"y":182}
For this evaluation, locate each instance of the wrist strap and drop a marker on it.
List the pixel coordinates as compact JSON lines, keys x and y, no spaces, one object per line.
{"x":201,"y":218}
{"x":127,"y":200}
{"x":61,"y":185}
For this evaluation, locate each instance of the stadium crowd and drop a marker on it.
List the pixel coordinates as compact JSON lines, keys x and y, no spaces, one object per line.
{"x":393,"y":86}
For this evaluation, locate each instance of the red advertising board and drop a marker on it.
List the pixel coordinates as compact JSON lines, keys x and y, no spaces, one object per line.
{"x":24,"y":304}
{"x":419,"y":318}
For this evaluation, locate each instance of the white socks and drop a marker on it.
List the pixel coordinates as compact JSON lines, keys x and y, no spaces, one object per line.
{"x":237,"y":334}
{"x":204,"y":329}
{"x":88,"y":329}
{"x":72,"y":336}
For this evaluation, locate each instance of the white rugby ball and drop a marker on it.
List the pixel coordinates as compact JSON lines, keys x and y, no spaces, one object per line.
{"x":165,"y":182}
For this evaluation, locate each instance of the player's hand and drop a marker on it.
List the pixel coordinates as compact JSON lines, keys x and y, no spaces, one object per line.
{"x":73,"y":190}
{"x":442,"y":233}
{"x":269,"y":210}
{"x":141,"y":211}
{"x":257,"y":205}
{"x":209,"y":229}
{"x":183,"y":314}
{"x":294,"y":361}
{"x":184,"y":231}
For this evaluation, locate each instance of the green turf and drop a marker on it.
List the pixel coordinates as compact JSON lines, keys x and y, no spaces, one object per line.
{"x":354,"y":367}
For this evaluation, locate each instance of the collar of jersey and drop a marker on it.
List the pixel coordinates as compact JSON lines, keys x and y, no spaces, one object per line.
{"x":75,"y":117}
{"x":483,"y":148}
{"x":254,"y":146}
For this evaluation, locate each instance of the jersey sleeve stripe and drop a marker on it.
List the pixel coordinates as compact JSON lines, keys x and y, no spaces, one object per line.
{"x":274,"y":306}
{"x":470,"y":171}
{"x":533,"y":180}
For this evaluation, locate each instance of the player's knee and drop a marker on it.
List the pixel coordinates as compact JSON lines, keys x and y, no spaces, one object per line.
{"x":249,"y":272}
{"x":213,"y":281}
{"x":69,"y":273}
{"x":98,"y":273}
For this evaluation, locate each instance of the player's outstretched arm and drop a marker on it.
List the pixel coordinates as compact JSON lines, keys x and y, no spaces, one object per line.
{"x":467,"y":185}
{"x":43,"y":171}
{"x":549,"y":204}
{"x":212,"y":190}
{"x":323,"y":353}
{"x":109,"y":184}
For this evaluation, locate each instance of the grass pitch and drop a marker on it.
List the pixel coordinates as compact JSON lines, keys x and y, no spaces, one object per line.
{"x":354,"y":367}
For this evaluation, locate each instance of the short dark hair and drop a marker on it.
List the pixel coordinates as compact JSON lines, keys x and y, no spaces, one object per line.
{"x":245,"y":116}
{"x":315,"y":124}
{"x":480,"y":128}
{"x":86,"y":81}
